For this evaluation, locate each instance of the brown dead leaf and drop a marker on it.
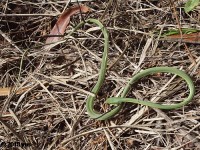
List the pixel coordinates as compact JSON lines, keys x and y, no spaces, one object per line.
{"x":58,"y":29}
{"x":187,"y":38}
{"x":63,"y":21}
{"x":6,"y":91}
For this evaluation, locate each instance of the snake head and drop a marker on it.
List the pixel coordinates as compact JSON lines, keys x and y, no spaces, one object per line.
{"x":113,"y":100}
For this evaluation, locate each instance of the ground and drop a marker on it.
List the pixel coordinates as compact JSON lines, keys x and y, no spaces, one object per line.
{"x":47,"y":105}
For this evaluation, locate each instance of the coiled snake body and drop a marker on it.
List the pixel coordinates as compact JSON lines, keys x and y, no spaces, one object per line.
{"x":119,"y":100}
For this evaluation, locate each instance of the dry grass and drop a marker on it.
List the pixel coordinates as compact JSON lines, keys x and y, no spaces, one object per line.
{"x":51,"y":113}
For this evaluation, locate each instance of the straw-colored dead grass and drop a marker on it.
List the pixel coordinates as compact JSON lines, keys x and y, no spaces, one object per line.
{"x":51,"y":113}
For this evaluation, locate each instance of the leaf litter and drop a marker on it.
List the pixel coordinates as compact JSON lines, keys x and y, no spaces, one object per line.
{"x":50,"y":113}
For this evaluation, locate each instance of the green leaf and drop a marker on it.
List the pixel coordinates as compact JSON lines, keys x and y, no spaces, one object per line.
{"x":176,"y":31}
{"x":171,"y":32}
{"x":190,"y":5}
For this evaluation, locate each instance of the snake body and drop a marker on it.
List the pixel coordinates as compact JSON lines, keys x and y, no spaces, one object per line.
{"x":122,"y":99}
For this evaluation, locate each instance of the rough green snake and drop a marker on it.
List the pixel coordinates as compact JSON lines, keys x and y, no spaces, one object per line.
{"x":119,"y":100}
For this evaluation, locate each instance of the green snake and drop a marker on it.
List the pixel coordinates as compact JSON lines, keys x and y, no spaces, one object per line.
{"x":119,"y":100}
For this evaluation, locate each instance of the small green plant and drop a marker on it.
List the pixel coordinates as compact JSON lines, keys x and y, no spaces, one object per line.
{"x":190,"y":5}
